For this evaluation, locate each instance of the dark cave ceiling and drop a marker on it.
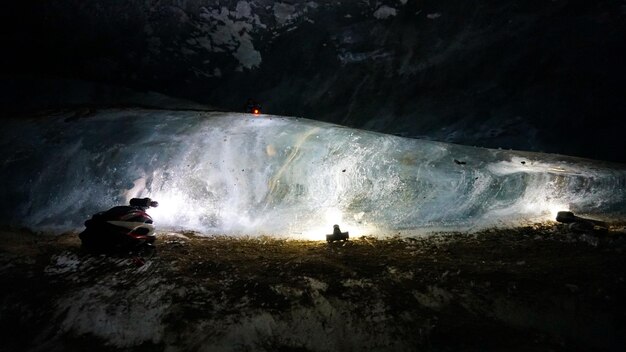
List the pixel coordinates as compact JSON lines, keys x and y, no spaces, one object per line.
{"x":541,"y":76}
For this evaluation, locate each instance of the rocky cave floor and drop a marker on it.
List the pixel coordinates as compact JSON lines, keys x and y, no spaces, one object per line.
{"x":535,"y":288}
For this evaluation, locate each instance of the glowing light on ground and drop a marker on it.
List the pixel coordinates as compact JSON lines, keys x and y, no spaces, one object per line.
{"x":553,"y":210}
{"x":334,"y":216}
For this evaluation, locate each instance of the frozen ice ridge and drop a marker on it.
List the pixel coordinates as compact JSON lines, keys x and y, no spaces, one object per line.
{"x":234,"y":174}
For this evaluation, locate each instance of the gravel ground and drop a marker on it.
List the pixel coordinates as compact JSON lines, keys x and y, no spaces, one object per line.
{"x":536,"y":288}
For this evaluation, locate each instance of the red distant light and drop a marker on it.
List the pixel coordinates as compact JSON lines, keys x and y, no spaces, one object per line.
{"x":256,"y":111}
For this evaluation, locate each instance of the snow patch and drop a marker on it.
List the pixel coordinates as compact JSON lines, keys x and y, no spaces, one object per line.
{"x":435,"y":297}
{"x":284,"y":13}
{"x":229,"y":31}
{"x":316,"y":284}
{"x":247,"y":55}
{"x":398,"y":275}
{"x":347,"y":57}
{"x":63,"y":263}
{"x":433,"y":16}
{"x":385,"y":12}
{"x":361,"y":283}
{"x":243,"y":10}
{"x":204,"y":42}
{"x":173,"y":234}
{"x":287,"y":291}
{"x":125,"y":316}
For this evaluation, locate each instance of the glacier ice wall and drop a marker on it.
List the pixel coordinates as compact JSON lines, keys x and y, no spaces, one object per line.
{"x":234,"y":174}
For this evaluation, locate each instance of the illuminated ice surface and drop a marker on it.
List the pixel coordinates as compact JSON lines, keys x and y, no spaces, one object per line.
{"x":230,"y":173}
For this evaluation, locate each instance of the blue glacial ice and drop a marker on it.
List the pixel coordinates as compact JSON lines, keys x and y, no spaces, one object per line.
{"x":229,"y":173}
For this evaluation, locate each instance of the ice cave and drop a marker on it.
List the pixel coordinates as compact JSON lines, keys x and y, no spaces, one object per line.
{"x":444,"y":137}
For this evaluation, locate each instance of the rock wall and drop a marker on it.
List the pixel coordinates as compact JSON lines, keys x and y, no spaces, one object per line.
{"x":512,"y":74}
